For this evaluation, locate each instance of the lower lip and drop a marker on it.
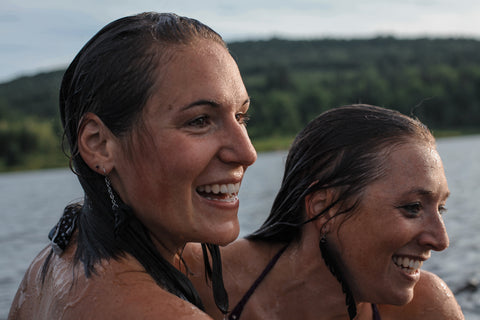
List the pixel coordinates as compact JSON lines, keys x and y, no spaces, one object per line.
{"x":224,"y":204}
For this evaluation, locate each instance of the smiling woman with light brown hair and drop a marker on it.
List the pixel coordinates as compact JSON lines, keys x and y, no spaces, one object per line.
{"x":154,"y":111}
{"x":358,"y":212}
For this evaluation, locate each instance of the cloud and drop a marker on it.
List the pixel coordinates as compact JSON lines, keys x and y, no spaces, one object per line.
{"x":39,"y":35}
{"x":39,"y":38}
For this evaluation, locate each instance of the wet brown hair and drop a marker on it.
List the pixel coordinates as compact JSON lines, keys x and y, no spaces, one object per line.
{"x":112,"y":76}
{"x":344,"y":148}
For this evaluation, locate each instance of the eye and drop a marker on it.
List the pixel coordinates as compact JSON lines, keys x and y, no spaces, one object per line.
{"x":442,"y":209}
{"x":413,"y":209}
{"x":242,"y":118}
{"x":199,"y":122}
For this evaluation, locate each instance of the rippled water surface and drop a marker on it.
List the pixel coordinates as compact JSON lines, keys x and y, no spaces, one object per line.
{"x":31,"y":203}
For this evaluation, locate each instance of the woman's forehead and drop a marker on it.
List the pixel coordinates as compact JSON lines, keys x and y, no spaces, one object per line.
{"x":413,"y":166}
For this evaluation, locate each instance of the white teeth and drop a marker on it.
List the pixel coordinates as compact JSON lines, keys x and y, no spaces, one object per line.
{"x":230,"y":188}
{"x":417,"y":264}
{"x":407,"y":264}
{"x":223,"y":188}
{"x":412,"y":262}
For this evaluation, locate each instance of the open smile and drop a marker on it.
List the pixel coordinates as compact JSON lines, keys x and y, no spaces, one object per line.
{"x":410,"y":266}
{"x":220,"y":192}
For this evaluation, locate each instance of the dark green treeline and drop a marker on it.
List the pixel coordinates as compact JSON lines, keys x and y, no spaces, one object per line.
{"x":290,"y":82}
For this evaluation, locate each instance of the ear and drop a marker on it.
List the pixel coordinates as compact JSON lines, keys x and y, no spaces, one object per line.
{"x":95,"y":143}
{"x":315,"y":203}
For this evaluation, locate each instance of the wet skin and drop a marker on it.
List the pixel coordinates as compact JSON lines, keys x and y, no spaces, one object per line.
{"x":195,"y":138}
{"x":191,"y":141}
{"x":399,"y":217}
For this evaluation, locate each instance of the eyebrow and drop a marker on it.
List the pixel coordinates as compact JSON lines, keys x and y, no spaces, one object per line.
{"x":425,"y":192}
{"x":211,"y":103}
{"x":201,"y":103}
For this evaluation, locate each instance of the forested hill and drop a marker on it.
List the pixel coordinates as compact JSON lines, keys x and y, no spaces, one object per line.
{"x":291,"y":81}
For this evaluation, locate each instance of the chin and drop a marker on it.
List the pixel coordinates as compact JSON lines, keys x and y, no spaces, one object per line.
{"x":223,"y":235}
{"x":392,"y":296}
{"x":400,"y":299}
{"x":228,"y":239}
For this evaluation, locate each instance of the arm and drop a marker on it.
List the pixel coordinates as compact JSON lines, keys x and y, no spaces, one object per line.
{"x":432,"y":300}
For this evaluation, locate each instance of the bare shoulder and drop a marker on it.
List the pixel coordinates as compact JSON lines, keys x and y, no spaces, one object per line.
{"x":193,"y":253}
{"x":231,"y":254}
{"x":122,"y":289}
{"x":21,"y":307}
{"x":433,"y":299}
{"x":128,"y":300}
{"x":119,"y":289}
{"x":234,"y":260}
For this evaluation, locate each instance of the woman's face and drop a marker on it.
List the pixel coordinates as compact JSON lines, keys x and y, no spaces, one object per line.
{"x":191,"y":151}
{"x":396,"y":226}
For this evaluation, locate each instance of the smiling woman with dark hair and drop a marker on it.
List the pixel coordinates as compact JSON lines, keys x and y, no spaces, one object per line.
{"x":358,"y":212}
{"x":154,"y":111}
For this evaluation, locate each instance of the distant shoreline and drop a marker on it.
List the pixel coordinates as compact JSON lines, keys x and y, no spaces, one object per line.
{"x":276,"y":143}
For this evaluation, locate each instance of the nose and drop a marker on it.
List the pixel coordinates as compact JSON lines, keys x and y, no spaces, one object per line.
{"x":237,"y":147}
{"x":434,"y":234}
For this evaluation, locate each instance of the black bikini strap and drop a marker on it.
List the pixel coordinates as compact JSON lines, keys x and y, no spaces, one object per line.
{"x":376,"y":314}
{"x":237,"y":311}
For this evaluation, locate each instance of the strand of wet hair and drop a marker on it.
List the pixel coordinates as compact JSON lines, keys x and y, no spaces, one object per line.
{"x":214,"y":273}
{"x":335,"y":270}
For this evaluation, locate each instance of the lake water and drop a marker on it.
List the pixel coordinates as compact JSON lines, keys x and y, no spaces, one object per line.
{"x":31,"y":203}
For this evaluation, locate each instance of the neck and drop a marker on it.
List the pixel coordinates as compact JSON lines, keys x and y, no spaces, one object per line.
{"x":167,"y":250}
{"x":309,"y":280}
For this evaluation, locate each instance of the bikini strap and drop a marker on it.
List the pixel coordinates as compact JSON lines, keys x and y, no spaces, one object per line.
{"x":376,"y":314}
{"x":237,"y":311}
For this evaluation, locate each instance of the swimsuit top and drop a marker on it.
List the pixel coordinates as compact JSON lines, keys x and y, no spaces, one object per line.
{"x":237,"y":311}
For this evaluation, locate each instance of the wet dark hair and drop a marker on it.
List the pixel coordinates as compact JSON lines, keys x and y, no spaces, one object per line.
{"x":345,"y":149}
{"x":112,"y":76}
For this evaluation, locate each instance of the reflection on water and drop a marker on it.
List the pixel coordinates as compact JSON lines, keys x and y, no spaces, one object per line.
{"x":30,"y":205}
{"x":32,"y":202}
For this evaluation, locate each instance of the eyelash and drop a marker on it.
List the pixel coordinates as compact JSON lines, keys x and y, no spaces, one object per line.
{"x":414,"y":209}
{"x":200,"y":121}
{"x":203,"y":121}
{"x":243,"y":118}
{"x":442,"y":209}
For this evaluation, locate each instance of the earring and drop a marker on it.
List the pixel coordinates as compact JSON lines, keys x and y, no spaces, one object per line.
{"x":110,"y":192}
{"x":121,"y":213}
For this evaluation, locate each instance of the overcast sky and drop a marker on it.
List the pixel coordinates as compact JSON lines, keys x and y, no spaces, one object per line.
{"x":43,"y":35}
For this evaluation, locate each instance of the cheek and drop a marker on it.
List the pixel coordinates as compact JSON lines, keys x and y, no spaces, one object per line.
{"x":365,"y":238}
{"x":140,"y":174}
